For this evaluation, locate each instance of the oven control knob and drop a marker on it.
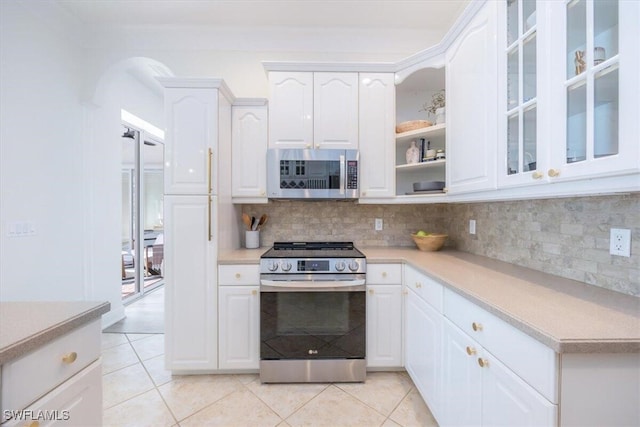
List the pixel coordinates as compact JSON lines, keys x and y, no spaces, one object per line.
{"x":285,"y":266}
{"x":340,"y":265}
{"x":272,"y":266}
{"x":353,"y":265}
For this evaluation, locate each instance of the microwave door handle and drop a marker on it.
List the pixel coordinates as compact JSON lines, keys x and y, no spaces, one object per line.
{"x":342,"y":174}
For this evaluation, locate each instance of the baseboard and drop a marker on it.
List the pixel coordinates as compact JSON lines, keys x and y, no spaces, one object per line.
{"x":112,"y":317}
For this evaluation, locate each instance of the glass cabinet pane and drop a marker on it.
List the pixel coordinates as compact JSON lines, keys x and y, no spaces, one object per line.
{"x":512,"y":21}
{"x":529,"y":69}
{"x":513,"y":94}
{"x":605,"y":30}
{"x":605,"y":142}
{"x":576,"y":37}
{"x":513,"y":146}
{"x":576,"y":123}
{"x":530,"y":140}
{"x":528,"y":14}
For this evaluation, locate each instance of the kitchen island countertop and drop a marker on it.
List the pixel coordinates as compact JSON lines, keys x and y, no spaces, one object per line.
{"x":27,"y":325}
{"x":565,"y":315}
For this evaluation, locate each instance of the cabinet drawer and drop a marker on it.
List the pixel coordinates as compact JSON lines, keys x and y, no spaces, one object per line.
{"x":534,"y":362}
{"x":77,"y":402}
{"x":427,"y":288}
{"x":239,"y":275}
{"x":384,"y":274}
{"x":26,"y":379}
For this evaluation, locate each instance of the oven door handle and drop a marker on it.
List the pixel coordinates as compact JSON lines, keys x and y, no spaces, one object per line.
{"x":312,"y":286}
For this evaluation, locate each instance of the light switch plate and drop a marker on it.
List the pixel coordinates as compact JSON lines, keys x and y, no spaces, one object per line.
{"x":378,"y":224}
{"x":472,"y":226}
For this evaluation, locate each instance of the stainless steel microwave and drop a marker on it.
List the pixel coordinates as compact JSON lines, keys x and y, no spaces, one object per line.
{"x":312,"y":174}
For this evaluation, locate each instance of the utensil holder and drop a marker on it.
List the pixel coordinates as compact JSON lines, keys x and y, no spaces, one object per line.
{"x":252,"y":239}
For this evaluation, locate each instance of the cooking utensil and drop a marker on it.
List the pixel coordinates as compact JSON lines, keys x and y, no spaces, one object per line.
{"x":253,"y":223}
{"x":262,"y":220}
{"x":246,"y":220}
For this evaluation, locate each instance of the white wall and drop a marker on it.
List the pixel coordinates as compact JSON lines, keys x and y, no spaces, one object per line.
{"x":40,"y":159}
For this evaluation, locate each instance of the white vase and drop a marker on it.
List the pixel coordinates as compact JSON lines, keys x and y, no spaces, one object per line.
{"x":413,"y":153}
{"x":440,"y":115}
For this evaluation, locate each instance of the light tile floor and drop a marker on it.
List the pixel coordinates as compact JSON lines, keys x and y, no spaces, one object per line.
{"x":137,"y":391}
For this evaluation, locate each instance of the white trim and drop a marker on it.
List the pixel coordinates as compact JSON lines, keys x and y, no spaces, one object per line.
{"x":198,"y":82}
{"x":369,"y":67}
{"x":250,"y":102}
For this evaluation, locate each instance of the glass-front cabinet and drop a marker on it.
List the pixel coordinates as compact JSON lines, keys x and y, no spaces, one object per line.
{"x":600,"y":82}
{"x":569,"y":85}
{"x":521,"y":55}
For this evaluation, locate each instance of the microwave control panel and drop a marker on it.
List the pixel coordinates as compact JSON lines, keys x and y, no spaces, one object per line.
{"x":352,"y":174}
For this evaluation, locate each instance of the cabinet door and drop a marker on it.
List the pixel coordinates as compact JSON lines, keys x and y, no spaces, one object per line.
{"x":377,"y":135}
{"x":291,"y":110}
{"x":461,"y":379}
{"x":239,"y":327}
{"x":596,"y":67}
{"x":508,"y":401}
{"x":335,"y":110}
{"x":423,"y":347}
{"x":384,"y":326}
{"x":249,"y":148}
{"x":471,"y":70}
{"x":523,"y":145}
{"x":190,"y":282}
{"x":190,"y":141}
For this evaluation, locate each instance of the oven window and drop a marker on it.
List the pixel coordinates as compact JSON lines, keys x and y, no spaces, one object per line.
{"x":310,"y":325}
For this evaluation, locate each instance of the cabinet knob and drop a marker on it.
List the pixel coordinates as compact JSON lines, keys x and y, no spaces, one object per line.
{"x":405,"y":292}
{"x":364,"y":193}
{"x":254,"y":292}
{"x":483,"y":362}
{"x":418,"y":285}
{"x":69,"y":358}
{"x":553,"y":173}
{"x":537,"y":175}
{"x":308,"y":146}
{"x":476,"y":326}
{"x":384,"y":274}
{"x":238,"y":275}
{"x":262,"y":192}
{"x":471,"y":350}
{"x":371,"y":292}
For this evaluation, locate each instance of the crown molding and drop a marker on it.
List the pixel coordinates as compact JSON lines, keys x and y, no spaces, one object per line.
{"x":362,"y":67}
{"x":198,"y":82}
{"x":250,"y":102}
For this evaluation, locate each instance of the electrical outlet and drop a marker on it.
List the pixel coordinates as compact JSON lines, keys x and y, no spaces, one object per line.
{"x":620,"y":242}
{"x":472,"y":226}
{"x":378,"y":224}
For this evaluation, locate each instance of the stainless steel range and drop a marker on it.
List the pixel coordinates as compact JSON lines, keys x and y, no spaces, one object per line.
{"x":312,"y":313}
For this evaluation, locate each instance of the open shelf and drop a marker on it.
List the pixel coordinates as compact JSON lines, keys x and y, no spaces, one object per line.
{"x":422,"y":165}
{"x":428,"y":132}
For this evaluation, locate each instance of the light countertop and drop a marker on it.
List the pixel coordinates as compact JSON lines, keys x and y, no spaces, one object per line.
{"x":566,"y":315}
{"x":27,"y":325}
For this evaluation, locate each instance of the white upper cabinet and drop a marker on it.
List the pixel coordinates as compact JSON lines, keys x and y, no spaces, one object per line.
{"x":291,"y":109}
{"x":313,"y":110}
{"x":523,"y":121}
{"x":249,"y":147}
{"x":335,"y":110}
{"x":190,"y":140}
{"x":471,"y":84}
{"x":596,"y":81}
{"x":377,"y":135}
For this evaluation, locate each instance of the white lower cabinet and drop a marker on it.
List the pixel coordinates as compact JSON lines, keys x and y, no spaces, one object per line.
{"x":477,"y":389}
{"x":239,"y":321}
{"x":423,"y":347}
{"x":384,"y":323}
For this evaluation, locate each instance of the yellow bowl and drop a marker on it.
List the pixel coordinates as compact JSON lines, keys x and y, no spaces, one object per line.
{"x":432,"y":242}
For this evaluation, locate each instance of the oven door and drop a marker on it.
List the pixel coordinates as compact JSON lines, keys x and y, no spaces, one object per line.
{"x":312,"y":320}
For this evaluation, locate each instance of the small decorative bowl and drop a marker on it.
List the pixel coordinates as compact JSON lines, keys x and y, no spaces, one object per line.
{"x":431,"y":242}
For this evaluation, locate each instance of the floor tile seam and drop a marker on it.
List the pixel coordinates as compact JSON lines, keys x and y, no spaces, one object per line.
{"x":308,"y":402}
{"x":265,"y":403}
{"x":127,"y":399}
{"x":402,"y":400}
{"x":371,"y":407}
{"x":175,"y":419}
{"x":204,"y":407}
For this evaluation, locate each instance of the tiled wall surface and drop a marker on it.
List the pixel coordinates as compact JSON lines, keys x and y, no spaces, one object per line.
{"x":565,"y":237}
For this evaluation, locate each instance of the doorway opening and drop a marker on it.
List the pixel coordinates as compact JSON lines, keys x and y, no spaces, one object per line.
{"x":142,"y":260}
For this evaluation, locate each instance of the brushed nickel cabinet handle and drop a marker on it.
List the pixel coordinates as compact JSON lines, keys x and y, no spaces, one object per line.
{"x":209,"y":170}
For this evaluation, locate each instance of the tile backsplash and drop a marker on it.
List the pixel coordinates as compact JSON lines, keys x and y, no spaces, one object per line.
{"x":566,"y":237}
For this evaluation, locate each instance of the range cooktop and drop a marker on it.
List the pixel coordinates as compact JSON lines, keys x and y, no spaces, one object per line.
{"x":313,"y":250}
